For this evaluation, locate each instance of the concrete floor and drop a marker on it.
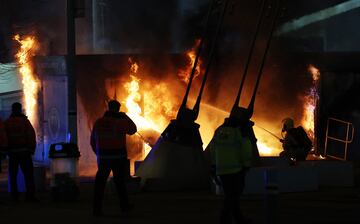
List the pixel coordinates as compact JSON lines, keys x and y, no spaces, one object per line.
{"x":336,"y":205}
{"x":327,"y":205}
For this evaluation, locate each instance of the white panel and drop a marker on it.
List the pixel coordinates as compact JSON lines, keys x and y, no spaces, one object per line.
{"x":55,"y":111}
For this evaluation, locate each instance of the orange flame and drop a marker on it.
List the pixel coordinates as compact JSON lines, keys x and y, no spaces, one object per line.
{"x":314,"y":72}
{"x":264,"y":149}
{"x":150,"y":106}
{"x":191,"y":55}
{"x":267,"y":144}
{"x":31,"y":84}
{"x":310,"y":100}
{"x":133,"y":102}
{"x":152,"y":109}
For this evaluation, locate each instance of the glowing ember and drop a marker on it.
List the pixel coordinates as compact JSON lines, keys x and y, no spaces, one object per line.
{"x":310,"y":101}
{"x":31,"y":84}
{"x":191,"y":55}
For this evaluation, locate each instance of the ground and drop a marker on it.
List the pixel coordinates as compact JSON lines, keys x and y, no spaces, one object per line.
{"x":328,"y":205}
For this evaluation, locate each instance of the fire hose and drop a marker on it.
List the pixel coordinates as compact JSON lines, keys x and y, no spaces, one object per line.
{"x":272,"y":134}
{"x":144,"y":139}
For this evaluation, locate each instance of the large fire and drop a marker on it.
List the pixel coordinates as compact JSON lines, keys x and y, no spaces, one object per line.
{"x":151,"y":106}
{"x":310,"y":101}
{"x":31,"y":84}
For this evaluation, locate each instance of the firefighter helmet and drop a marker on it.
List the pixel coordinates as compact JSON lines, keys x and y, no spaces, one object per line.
{"x":288,"y":123}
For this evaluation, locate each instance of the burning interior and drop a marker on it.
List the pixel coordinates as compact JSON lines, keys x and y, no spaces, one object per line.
{"x":150,"y":91}
{"x":151,"y":95}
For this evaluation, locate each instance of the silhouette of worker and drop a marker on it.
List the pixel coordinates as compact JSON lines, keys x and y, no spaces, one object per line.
{"x":108,"y":141}
{"x":21,"y":146}
{"x":231,"y":154}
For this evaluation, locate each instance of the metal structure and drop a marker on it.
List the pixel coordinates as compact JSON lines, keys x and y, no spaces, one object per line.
{"x":346,"y":141}
{"x":250,"y":107}
{"x":71,"y":52}
{"x":318,"y":16}
{"x":176,"y":161}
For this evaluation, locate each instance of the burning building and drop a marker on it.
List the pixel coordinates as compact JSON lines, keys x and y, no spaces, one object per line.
{"x":150,"y":85}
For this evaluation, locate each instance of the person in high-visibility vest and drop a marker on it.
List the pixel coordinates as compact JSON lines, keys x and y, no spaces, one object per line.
{"x":108,"y":141}
{"x":21,"y":146}
{"x":3,"y":142}
{"x":231,"y":157}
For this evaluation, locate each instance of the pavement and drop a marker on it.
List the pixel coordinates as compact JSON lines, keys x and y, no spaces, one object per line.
{"x":327,"y":205}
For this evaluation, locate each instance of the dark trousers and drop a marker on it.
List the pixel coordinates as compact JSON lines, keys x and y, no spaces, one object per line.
{"x":23,"y":160}
{"x":233,"y":186}
{"x":105,"y":166}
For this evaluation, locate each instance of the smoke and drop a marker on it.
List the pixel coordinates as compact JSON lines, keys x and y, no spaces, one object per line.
{"x":133,"y":26}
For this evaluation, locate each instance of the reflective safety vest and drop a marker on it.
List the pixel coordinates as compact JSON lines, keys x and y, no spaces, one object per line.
{"x":108,"y":137}
{"x":3,"y":138}
{"x":20,"y":133}
{"x":229,"y":150}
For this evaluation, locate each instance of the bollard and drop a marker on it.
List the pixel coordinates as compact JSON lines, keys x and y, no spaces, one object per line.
{"x":271,"y":196}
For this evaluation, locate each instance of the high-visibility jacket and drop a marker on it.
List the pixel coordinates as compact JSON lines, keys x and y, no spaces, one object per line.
{"x":230,"y":151}
{"x":20,"y":133}
{"x":108,"y":136}
{"x":3,"y":138}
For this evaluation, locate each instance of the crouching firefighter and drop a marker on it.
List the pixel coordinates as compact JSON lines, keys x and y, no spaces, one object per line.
{"x":108,"y":141}
{"x":231,"y":156}
{"x":296,"y":143}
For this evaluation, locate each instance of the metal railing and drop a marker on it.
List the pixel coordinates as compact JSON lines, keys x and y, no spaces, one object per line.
{"x":346,"y":141}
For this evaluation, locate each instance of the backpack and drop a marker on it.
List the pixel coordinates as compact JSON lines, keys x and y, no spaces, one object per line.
{"x":302,"y":139}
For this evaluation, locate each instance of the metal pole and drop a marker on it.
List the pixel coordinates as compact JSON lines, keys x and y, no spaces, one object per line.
{"x":317,"y":116}
{"x":212,"y":53}
{"x":71,"y":52}
{"x":347,"y":139}
{"x":252,"y":46}
{"x":252,"y":102}
{"x":326,"y":136}
{"x":206,"y":27}
{"x":94,"y":25}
